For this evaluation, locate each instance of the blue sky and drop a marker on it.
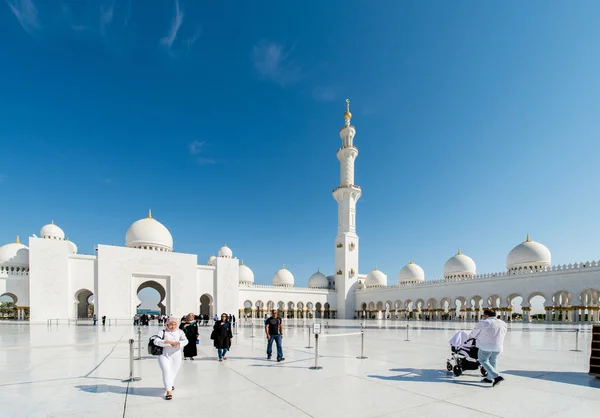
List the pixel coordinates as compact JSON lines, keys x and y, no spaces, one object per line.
{"x":477,"y":122}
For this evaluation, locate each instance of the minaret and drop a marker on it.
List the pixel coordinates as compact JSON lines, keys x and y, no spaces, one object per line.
{"x":346,"y":242}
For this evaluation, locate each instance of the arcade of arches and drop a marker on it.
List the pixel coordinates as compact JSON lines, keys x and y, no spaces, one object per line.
{"x":559,"y":307}
{"x":291,"y":310}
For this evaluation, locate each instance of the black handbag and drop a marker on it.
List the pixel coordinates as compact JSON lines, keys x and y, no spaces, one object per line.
{"x":154,"y":349}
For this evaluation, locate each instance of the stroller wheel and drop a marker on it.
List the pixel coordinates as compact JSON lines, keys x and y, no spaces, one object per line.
{"x":483,"y":371}
{"x":457,"y":371}
{"x":449,"y":367}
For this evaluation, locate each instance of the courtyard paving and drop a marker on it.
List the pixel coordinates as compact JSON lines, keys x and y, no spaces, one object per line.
{"x":78,"y":371}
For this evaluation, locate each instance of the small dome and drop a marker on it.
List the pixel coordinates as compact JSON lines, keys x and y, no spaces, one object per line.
{"x":528,"y":254}
{"x":376,"y":278}
{"x":246,"y":274}
{"x":14,"y":254}
{"x":72,"y":247}
{"x":318,"y":281}
{"x":149,"y":233}
{"x":225,"y":252}
{"x":283,"y":278}
{"x":52,"y":231}
{"x":411,"y":273}
{"x":211,"y":260}
{"x":459,"y":265}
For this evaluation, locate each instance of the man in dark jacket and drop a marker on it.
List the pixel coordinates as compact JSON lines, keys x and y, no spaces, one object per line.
{"x":274,"y":331}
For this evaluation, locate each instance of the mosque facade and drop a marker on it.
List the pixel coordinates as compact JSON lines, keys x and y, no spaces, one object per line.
{"x":48,"y":279}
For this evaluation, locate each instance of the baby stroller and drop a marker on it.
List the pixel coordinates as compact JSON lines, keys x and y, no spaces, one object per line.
{"x":464,"y":354}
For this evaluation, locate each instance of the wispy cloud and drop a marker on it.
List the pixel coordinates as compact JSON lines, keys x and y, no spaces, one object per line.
{"x":175,"y":25}
{"x":197,"y":150}
{"x":324,"y":94}
{"x":196,"y":147}
{"x":26,"y":12}
{"x":106,"y":17}
{"x":272,"y":62}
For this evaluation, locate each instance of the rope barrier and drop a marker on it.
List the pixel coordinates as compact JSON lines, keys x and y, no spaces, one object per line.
{"x":341,"y":335}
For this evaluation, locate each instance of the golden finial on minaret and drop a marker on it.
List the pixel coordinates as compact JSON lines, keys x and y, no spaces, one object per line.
{"x":17,"y":241}
{"x":347,"y":115}
{"x":410,"y":262}
{"x":459,"y":253}
{"x":52,"y":221}
{"x":282,"y":267}
{"x":149,"y":213}
{"x":527,"y":239}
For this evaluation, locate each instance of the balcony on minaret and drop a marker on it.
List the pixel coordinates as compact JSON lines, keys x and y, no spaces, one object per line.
{"x":346,"y":186}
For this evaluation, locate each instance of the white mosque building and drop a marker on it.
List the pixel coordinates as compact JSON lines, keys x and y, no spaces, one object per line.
{"x":49,"y":279}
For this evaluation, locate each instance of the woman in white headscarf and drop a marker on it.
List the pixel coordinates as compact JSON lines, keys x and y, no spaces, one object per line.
{"x":171,"y":340}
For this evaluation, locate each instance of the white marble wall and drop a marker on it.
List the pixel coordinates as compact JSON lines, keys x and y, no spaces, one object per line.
{"x":49,"y":279}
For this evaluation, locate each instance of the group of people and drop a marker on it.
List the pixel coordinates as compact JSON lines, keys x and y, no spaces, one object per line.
{"x":174,"y":339}
{"x":489,"y":333}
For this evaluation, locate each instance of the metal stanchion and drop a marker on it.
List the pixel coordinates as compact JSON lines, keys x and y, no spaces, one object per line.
{"x":139,"y":344}
{"x":362,"y":345}
{"x":252,"y":326}
{"x":131,"y":378}
{"x":576,"y":341}
{"x":309,"y":346}
{"x":316,"y":366}
{"x":326,"y":326}
{"x":407,"y":339}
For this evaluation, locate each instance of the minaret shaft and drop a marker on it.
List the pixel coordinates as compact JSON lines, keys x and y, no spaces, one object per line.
{"x":346,"y":242}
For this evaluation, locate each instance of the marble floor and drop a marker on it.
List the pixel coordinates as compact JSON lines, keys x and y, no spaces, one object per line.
{"x":78,"y":371}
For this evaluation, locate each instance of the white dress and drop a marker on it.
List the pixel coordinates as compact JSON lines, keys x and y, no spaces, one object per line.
{"x":170,"y":359}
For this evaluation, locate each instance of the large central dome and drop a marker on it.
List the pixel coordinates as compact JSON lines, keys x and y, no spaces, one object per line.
{"x":149,"y":234}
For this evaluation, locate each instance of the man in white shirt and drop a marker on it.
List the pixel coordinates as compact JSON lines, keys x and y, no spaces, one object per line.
{"x":490,"y":333}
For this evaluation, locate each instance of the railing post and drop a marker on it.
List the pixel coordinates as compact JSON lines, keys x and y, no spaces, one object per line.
{"x":309,"y":346}
{"x":139,"y":343}
{"x":316,"y":366}
{"x":252,"y":326}
{"x":131,"y":378}
{"x":362,"y":345}
{"x":407,"y":339}
{"x":576,"y":341}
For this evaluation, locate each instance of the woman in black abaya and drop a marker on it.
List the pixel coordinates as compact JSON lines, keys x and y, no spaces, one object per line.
{"x":190,"y":329}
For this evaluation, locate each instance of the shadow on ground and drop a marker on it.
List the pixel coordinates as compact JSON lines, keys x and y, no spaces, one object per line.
{"x":571,"y":378}
{"x":429,"y":376}
{"x":151,"y":392}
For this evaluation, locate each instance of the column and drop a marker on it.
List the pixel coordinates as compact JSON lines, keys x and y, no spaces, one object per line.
{"x":526,"y":313}
{"x":549,"y":310}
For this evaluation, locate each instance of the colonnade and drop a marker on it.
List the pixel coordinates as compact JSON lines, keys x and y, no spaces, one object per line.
{"x":292,"y":313}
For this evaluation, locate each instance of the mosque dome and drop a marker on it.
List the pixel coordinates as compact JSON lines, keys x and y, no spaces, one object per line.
{"x":318,"y":281}
{"x":459,"y":265}
{"x":72,"y":247}
{"x":149,"y":234}
{"x":14,"y":254}
{"x":529,"y":255}
{"x":411,"y":273}
{"x":376,"y":278}
{"x":225,"y":252}
{"x":52,"y":231}
{"x":283,"y":278}
{"x":211,"y":260}
{"x":246,"y":274}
